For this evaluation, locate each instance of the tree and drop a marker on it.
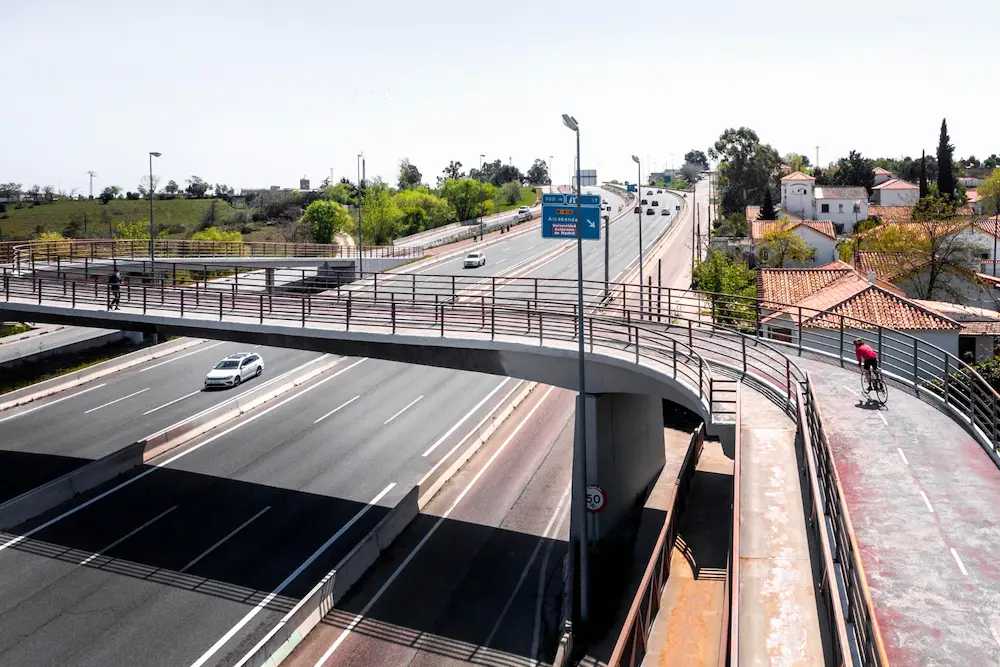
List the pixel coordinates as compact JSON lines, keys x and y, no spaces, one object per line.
{"x":453,"y":170}
{"x":144,"y":185}
{"x":781,"y":244}
{"x":172,"y":188}
{"x":855,"y":170}
{"x":36,"y":193}
{"x":409,"y":175}
{"x":796,"y":162}
{"x":216,"y":234}
{"x":326,"y":218}
{"x":196,"y":187}
{"x":345,"y":193}
{"x":745,"y":168}
{"x":989,"y":192}
{"x":697,"y":158}
{"x":723,"y":273}
{"x":992,"y":162}
{"x":538,"y":174}
{"x":10,"y":191}
{"x":767,"y":210}
{"x":946,"y":174}
{"x":465,"y":194}
{"x":437,"y":212}
{"x":924,"y":190}
{"x":49,"y":193}
{"x":381,"y":215}
{"x":138,"y":229}
{"x":224,"y":192}
{"x":412,"y":220}
{"x":690,"y":172}
{"x":109,"y":193}
{"x":511,"y":192}
{"x":133,"y":195}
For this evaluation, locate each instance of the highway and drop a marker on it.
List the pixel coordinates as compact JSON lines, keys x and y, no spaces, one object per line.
{"x":195,"y":559}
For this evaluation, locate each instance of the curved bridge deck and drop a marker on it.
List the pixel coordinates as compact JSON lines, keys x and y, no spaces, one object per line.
{"x":924,"y":499}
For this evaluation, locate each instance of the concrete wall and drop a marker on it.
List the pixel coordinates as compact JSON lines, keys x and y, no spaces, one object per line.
{"x":797,"y":198}
{"x":624,"y":452}
{"x":948,"y":286}
{"x":845,"y":217}
{"x":897,"y":197}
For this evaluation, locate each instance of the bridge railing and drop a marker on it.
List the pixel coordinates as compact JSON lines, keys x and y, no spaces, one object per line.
{"x":30,"y":254}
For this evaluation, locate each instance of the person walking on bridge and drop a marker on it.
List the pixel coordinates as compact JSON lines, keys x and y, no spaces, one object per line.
{"x":114,"y":283}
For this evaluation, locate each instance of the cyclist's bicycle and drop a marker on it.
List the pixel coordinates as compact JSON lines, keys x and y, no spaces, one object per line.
{"x":872,"y":380}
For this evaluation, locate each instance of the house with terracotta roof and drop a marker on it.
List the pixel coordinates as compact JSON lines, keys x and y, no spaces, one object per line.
{"x":896,"y":192}
{"x":827,"y":307}
{"x":816,"y":234}
{"x":844,"y":206}
{"x":883,"y":175}
{"x":980,"y":328}
{"x":915,"y":277}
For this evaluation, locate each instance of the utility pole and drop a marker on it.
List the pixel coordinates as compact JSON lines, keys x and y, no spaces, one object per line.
{"x":698,"y":225}
{"x":692,"y":243}
{"x":92,"y":174}
{"x":817,"y":157}
{"x":361,"y":184}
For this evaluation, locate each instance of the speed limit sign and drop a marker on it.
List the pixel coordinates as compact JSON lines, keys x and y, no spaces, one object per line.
{"x":595,"y":498}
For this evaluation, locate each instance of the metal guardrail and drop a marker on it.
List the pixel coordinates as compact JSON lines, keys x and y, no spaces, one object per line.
{"x":729,"y":643}
{"x":27,"y":255}
{"x":631,"y":645}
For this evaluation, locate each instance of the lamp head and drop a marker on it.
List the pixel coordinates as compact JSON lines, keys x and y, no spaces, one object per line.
{"x":635,"y":159}
{"x":570,"y":122}
{"x":154,"y":154}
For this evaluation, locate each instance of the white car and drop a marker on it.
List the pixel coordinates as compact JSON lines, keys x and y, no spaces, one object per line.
{"x":474,"y":259}
{"x":234,"y":369}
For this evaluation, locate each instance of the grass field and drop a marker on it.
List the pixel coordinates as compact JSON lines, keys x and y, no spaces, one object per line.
{"x":179,"y":215}
{"x":527,"y":199}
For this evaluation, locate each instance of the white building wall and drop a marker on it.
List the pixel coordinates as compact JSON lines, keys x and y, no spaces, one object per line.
{"x":841,"y":212}
{"x":798,"y":197}
{"x":897,"y":197}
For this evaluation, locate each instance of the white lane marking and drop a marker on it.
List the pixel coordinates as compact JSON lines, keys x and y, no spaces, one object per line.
{"x":220,"y":542}
{"x":524,"y":573}
{"x":117,"y":400}
{"x":996,"y":637}
{"x":164,"y":363}
{"x":381,"y":591}
{"x":882,"y":417}
{"x":339,"y":407}
{"x":464,"y":419}
{"x":902,"y":456}
{"x":284,"y":584}
{"x":408,"y":406}
{"x":849,"y":389}
{"x":927,"y":502}
{"x":149,"y":471}
{"x":169,"y":403}
{"x":126,"y":536}
{"x":58,"y":400}
{"x":959,"y":561}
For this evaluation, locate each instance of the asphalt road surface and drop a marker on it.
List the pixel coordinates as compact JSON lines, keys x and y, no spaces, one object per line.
{"x":193,"y":561}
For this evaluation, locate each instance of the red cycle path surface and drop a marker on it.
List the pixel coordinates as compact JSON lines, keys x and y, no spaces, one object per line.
{"x":924,"y":498}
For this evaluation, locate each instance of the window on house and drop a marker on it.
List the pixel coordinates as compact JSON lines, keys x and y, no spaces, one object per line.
{"x":838,"y":228}
{"x":840,"y":208}
{"x":825,"y":208}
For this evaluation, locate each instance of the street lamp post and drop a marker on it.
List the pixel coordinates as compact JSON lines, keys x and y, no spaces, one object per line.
{"x":639,"y":208}
{"x":481,"y":156}
{"x":580,"y":445}
{"x":361,"y":184}
{"x":152,"y":228}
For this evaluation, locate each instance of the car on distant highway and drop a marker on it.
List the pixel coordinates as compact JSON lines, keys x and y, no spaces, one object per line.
{"x":643,"y":202}
{"x":665,"y":211}
{"x":659,"y":192}
{"x":650,"y":211}
{"x":523,"y":213}
{"x":234,"y":369}
{"x":474,"y":259}
{"x":649,"y":192}
{"x":655,"y":203}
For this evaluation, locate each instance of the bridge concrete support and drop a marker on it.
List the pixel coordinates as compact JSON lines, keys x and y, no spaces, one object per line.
{"x":269,"y":280}
{"x":624,"y":453}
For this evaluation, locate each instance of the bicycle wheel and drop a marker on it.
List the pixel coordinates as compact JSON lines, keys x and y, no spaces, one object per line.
{"x":882,"y":392}
{"x":865,"y":386}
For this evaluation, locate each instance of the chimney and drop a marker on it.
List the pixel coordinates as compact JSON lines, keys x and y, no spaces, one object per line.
{"x":871,"y":277}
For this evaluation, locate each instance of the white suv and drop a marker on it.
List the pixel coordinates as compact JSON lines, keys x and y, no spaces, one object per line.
{"x":474,"y":259}
{"x":235,"y":369}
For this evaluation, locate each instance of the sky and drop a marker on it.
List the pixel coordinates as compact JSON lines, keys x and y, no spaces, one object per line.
{"x":254,"y":93}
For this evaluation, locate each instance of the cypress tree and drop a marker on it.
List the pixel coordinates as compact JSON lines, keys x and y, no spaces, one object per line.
{"x":924,"y":189}
{"x":767,"y":211}
{"x":945,"y":157}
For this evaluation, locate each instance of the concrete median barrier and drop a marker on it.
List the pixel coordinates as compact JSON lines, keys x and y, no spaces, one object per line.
{"x":52,"y":494}
{"x":77,"y":378}
{"x":309,"y":612}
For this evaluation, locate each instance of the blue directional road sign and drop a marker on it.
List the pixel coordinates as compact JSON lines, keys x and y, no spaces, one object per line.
{"x":559,"y":216}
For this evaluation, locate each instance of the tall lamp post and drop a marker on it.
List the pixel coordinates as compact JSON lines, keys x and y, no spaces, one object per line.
{"x":580,"y":445}
{"x":480,"y":173}
{"x":361,"y":182}
{"x":152,"y":228}
{"x":638,"y":177}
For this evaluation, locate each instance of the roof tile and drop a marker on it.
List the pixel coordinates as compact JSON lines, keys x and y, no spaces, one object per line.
{"x":896,"y":184}
{"x":842,"y":193}
{"x":824,"y":227}
{"x":798,"y":176}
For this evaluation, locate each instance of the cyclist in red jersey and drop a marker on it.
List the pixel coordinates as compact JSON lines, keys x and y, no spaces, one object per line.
{"x":867,"y":358}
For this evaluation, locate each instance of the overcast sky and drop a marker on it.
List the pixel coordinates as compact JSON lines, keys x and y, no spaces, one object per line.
{"x":256,"y":93}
